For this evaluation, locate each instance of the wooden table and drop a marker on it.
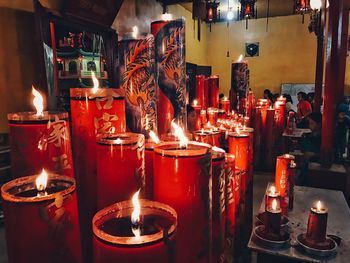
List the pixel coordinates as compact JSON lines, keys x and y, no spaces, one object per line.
{"x":338,"y":224}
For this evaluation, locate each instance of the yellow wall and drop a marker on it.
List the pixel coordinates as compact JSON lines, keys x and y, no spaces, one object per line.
{"x":151,"y":10}
{"x":287,"y":52}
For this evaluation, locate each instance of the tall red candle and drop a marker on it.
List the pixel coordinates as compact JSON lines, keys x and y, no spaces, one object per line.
{"x":182,"y":179}
{"x":120,"y":167}
{"x":280,"y":109}
{"x":200,"y":90}
{"x":41,"y":226}
{"x":317,"y":224}
{"x":225,"y":105}
{"x":212,"y":116}
{"x":197,"y":107}
{"x":92,"y":111}
{"x":149,"y":152}
{"x":282,"y":173}
{"x":231,"y":195}
{"x":257,"y":136}
{"x":269,"y":139}
{"x":206,"y":93}
{"x":213,"y":88}
{"x":218,"y":203}
{"x":216,"y":137}
{"x":114,"y":240}
{"x":40,"y":142}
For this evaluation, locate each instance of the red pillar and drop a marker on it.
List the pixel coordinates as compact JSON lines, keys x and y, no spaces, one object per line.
{"x":343,"y":52}
{"x":320,"y":58}
{"x":333,"y":72}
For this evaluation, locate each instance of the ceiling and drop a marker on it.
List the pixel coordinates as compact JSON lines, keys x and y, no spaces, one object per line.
{"x":277,"y":7}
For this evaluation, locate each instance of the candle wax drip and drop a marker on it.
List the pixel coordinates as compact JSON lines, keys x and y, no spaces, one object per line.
{"x":122,"y":227}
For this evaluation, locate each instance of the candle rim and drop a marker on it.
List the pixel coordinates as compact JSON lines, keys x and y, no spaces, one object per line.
{"x":287,"y":156}
{"x":323,"y":210}
{"x":88,"y":93}
{"x":125,"y":139}
{"x":167,"y":149}
{"x":116,"y":211}
{"x":238,"y":135}
{"x":230,"y":158}
{"x":30,"y":116}
{"x":7,"y":195}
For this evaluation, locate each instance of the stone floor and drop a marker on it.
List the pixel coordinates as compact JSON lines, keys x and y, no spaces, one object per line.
{"x":260,"y":182}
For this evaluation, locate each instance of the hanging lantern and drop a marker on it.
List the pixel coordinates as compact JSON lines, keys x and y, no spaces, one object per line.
{"x":212,"y":11}
{"x":302,"y":6}
{"x":247,"y":9}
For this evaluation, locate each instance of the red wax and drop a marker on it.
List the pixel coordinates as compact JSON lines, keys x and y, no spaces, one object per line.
{"x":40,"y":142}
{"x":206,"y":93}
{"x":216,"y":137}
{"x":120,"y":167}
{"x":197,"y":109}
{"x":273,"y":221}
{"x":257,"y":136}
{"x":225,"y":105}
{"x":269,"y":139}
{"x":317,"y":225}
{"x":42,"y":228}
{"x":203,"y":136}
{"x":231,"y":196}
{"x":218,"y":204}
{"x":269,"y":197}
{"x":200,"y":90}
{"x":283,"y":164}
{"x":280,"y":108}
{"x":250,"y":106}
{"x":203,"y":117}
{"x":213,"y":88}
{"x":250,"y":131}
{"x":290,"y":126}
{"x":149,"y":169}
{"x":92,"y":113}
{"x":212,"y":116}
{"x":158,"y":245}
{"x":182,"y":179}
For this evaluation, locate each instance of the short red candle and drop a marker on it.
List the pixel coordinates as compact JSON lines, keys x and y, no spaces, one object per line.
{"x":231,"y":197}
{"x":203,"y":117}
{"x":270,"y":195}
{"x":40,"y":142}
{"x":197,"y":107}
{"x":213,"y":87}
{"x":212,"y":116}
{"x":317,"y":224}
{"x":203,"y":136}
{"x":273,"y":218}
{"x":120,"y":167}
{"x":92,"y":112}
{"x":182,"y":179}
{"x":218,"y":203}
{"x":113,"y":242}
{"x":225,"y":105}
{"x":216,"y":137}
{"x":200,"y":90}
{"x":40,"y":228}
{"x":282,"y":173}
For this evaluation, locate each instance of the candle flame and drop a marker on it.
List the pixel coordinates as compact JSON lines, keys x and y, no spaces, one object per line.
{"x":95,"y":81}
{"x":154,"y":137}
{"x":237,"y":130}
{"x":135,"y":215}
{"x":135,"y":31}
{"x":38,"y":102}
{"x":195,"y":102}
{"x":202,"y":131}
{"x":274,"y":204}
{"x":272,"y":189}
{"x":208,"y":124}
{"x":179,"y":133}
{"x":41,"y":181}
{"x":240,"y":58}
{"x":319,"y":206}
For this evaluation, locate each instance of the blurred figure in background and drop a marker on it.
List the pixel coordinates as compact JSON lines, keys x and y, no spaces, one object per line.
{"x":268,"y":95}
{"x":289,"y":102}
{"x":341,"y":130}
{"x":304,"y":110}
{"x":311,"y":99}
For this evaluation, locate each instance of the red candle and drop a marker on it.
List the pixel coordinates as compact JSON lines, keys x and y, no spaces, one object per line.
{"x":200,"y":90}
{"x":225,"y":105}
{"x":41,"y":219}
{"x":282,"y":174}
{"x":203,"y":136}
{"x":291,"y":125}
{"x":182,"y":179}
{"x":206,"y":93}
{"x":273,"y":218}
{"x":197,"y":107}
{"x":250,"y":131}
{"x":203,"y":117}
{"x":213,"y":88}
{"x":250,"y":106}
{"x":257,"y":136}
{"x":215,"y":137}
{"x":98,"y":110}
{"x":218,"y":203}
{"x":116,"y":239}
{"x":269,"y":139}
{"x":40,"y":139}
{"x":231,"y":195}
{"x":212,"y":116}
{"x":271,"y":195}
{"x":120,"y":167}
{"x":317,"y":223}
{"x":280,"y":108}
{"x":238,"y":144}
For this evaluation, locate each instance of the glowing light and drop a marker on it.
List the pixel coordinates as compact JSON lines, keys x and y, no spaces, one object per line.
{"x":41,"y":181}
{"x":272,"y":190}
{"x":95,"y":81}
{"x":316,"y":4}
{"x":195,"y":102}
{"x":135,"y":31}
{"x":154,"y":137}
{"x":319,"y":206}
{"x":237,"y":130}
{"x":166,"y":17}
{"x":135,"y":215}
{"x":274,"y":204}
{"x":240,"y":59}
{"x":230,"y":15}
{"x":179,"y":133}
{"x":217,"y":149}
{"x":38,"y":102}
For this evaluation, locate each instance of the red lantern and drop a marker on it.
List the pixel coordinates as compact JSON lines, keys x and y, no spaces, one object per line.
{"x":302,"y":6}
{"x":247,"y":9}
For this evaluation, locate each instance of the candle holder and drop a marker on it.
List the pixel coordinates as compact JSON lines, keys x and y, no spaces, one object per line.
{"x":124,"y":153}
{"x":218,"y":203}
{"x":42,"y":226}
{"x":114,"y":240}
{"x":40,"y":141}
{"x":203,"y":136}
{"x":182,"y":179}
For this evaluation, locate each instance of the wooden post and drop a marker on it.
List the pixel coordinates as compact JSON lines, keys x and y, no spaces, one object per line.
{"x":333,"y":76}
{"x":320,"y":58}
